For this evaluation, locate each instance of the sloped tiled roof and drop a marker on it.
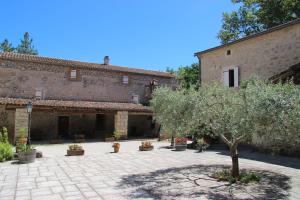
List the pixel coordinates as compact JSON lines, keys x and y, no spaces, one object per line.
{"x":73,"y":63}
{"x":59,"y":104}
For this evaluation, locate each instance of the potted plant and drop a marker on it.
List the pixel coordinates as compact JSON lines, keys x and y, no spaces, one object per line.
{"x":21,"y":139}
{"x":26,"y":153}
{"x":146,"y":146}
{"x":180,"y":144}
{"x":75,"y":150}
{"x":116,"y":145}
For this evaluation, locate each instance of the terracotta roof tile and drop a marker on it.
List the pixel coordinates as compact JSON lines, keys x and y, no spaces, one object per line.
{"x":76,"y":104}
{"x":63,"y":62}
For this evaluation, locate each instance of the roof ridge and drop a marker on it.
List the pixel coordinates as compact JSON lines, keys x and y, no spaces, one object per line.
{"x":61,"y":61}
{"x":274,"y":28}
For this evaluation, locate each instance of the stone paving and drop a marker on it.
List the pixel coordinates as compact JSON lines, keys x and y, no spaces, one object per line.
{"x":130,"y":174}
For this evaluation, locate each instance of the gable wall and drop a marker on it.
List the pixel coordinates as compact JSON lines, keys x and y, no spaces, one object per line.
{"x":265,"y":56}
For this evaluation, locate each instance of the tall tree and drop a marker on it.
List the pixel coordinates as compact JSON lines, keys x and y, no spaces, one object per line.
{"x":188,"y":75}
{"x":256,"y":15}
{"x":26,"y":46}
{"x":6,"y":46}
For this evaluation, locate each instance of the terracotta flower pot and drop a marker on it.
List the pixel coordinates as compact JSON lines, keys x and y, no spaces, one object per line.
{"x":141,"y":148}
{"x":75,"y":152}
{"x":116,"y":147}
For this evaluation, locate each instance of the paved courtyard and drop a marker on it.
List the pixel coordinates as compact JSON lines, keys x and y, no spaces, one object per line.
{"x":130,"y":174}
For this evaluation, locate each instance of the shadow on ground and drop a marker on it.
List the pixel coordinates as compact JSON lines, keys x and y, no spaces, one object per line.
{"x":267,"y":158}
{"x":194,"y":182}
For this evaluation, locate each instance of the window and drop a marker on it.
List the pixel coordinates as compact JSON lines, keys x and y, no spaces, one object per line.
{"x":231,"y":77}
{"x":39,"y":94}
{"x":135,"y":99}
{"x":228,"y":53}
{"x":125,"y":80}
{"x":73,"y":74}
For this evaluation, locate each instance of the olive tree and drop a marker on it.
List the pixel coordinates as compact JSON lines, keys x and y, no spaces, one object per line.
{"x":225,"y":111}
{"x":258,"y":110}
{"x":172,"y":109}
{"x":275,"y":112}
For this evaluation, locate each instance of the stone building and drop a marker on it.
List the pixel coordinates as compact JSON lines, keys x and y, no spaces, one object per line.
{"x":264,"y":54}
{"x":72,"y":97}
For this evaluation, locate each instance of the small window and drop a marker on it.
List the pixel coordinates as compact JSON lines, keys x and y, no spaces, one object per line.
{"x":135,"y":99}
{"x":38,"y":94}
{"x":125,"y":80}
{"x":228,"y":53}
{"x":73,"y":74}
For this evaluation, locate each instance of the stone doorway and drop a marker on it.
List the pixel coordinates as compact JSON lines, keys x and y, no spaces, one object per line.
{"x":63,"y":126}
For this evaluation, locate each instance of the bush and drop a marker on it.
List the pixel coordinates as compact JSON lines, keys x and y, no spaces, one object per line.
{"x":3,"y":135}
{"x":6,"y":152}
{"x":245,"y":177}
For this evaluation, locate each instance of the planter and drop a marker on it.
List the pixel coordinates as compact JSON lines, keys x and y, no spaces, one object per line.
{"x":75,"y":152}
{"x":27,"y":157}
{"x":180,"y":144}
{"x":180,"y":147}
{"x":141,"y":148}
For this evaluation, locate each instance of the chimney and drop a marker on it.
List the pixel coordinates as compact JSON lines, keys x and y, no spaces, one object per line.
{"x":106,"y":60}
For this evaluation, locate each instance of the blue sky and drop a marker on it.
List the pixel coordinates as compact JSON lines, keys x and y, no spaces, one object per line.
{"x":149,"y":34}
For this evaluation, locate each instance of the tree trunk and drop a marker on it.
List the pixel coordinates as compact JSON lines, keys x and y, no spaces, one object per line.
{"x":172,"y":141}
{"x":235,"y":171}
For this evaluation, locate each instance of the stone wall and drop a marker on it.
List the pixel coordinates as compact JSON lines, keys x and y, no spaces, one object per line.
{"x":121,"y":123}
{"x":22,"y":79}
{"x":265,"y":55}
{"x":21,"y":121}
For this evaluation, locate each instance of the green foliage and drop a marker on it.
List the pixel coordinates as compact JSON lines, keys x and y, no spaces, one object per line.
{"x":117,"y":135}
{"x":74,"y":147}
{"x":6,"y":152}
{"x":3,"y":135}
{"x":22,"y":132}
{"x":245,"y":177}
{"x":172,"y":109}
{"x":188,"y":75}
{"x":256,"y":15}
{"x":25,"y":148}
{"x":6,"y":46}
{"x":259,"y":112}
{"x":26,"y":46}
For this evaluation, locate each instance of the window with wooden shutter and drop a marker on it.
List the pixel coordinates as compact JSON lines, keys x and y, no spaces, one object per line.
{"x":226,"y":77}
{"x":125,"y":80}
{"x":73,"y":74}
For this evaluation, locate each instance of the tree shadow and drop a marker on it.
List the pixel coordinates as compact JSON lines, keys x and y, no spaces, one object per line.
{"x":262,"y":157}
{"x":194,"y":182}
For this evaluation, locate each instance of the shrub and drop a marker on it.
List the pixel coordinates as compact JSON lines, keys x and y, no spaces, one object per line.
{"x":6,"y":152}
{"x":3,"y":135}
{"x":244,"y":177}
{"x":75,"y":147}
{"x":117,"y":135}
